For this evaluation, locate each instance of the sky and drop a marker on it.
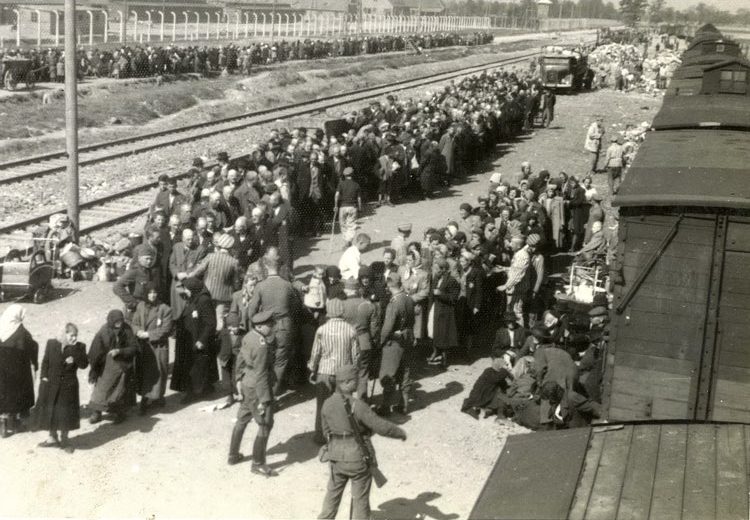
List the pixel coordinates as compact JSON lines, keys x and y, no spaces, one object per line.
{"x":728,"y":5}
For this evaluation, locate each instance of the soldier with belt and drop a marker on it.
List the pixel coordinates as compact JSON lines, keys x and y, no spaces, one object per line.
{"x":348,"y":424}
{"x":397,"y":341}
{"x":255,"y":386}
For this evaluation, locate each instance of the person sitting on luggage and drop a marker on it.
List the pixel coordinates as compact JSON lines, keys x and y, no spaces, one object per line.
{"x":496,"y":378}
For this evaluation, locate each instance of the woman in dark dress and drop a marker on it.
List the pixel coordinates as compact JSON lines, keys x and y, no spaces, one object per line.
{"x":112,"y":358}
{"x":442,"y":318}
{"x":195,"y":355}
{"x":18,"y":354}
{"x":58,"y":405}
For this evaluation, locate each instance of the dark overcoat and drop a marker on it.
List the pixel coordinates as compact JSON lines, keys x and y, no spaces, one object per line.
{"x":445,"y":332}
{"x":18,"y":354}
{"x":58,"y":404}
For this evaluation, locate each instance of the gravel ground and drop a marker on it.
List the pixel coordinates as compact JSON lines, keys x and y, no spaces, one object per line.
{"x":47,"y":193}
{"x":172,"y":464}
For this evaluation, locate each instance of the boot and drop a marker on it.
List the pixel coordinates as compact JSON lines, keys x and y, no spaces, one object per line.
{"x":234,"y":444}
{"x":143,"y":408}
{"x":259,"y":466}
{"x":96,"y":416}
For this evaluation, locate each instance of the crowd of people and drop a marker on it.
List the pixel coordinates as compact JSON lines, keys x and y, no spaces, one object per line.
{"x":155,"y":60}
{"x":215,"y":270}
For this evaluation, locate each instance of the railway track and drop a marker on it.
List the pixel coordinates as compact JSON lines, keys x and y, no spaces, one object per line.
{"x":112,"y":209}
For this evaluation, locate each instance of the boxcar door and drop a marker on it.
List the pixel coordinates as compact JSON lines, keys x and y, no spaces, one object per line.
{"x":655,"y":351}
{"x":730,"y":395}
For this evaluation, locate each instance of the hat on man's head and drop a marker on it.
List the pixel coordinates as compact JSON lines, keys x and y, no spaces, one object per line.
{"x":222,"y":156}
{"x":533,"y":239}
{"x":225,"y":241}
{"x":346,"y":373}
{"x":348,"y":171}
{"x":404,"y":228}
{"x":334,"y":308}
{"x":259,"y":318}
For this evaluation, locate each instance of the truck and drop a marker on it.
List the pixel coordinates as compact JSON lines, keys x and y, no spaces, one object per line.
{"x":563,"y":69}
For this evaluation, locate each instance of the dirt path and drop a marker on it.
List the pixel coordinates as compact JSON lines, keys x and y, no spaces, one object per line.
{"x":173,"y":464}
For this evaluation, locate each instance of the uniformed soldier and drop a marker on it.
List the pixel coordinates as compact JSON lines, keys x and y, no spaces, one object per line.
{"x":342,"y":412}
{"x":276,"y":295}
{"x":397,"y":342}
{"x":255,"y":387}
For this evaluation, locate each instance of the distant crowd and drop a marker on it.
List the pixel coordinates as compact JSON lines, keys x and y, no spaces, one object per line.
{"x":142,"y":61}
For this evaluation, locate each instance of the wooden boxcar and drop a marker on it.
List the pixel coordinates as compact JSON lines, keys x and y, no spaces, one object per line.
{"x":677,"y":377}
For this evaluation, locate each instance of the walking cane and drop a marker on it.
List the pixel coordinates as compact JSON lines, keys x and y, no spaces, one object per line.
{"x":333,"y":231}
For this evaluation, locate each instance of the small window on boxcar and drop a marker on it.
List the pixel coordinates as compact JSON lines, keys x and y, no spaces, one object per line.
{"x":733,"y":82}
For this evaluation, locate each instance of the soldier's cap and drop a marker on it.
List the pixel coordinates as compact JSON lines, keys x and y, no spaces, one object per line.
{"x":222,"y":156}
{"x":393,"y":280}
{"x":351,"y":284}
{"x":259,"y":318}
{"x":404,"y":228}
{"x":600,"y":310}
{"x":348,"y":171}
{"x":346,"y":373}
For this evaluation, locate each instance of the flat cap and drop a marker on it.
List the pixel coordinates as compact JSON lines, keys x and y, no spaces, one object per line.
{"x":404,"y":227}
{"x":259,"y":318}
{"x":348,"y":171}
{"x":346,"y":373}
{"x":600,"y":310}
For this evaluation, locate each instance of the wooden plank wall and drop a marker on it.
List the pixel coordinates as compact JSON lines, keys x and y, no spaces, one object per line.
{"x":731,"y":392}
{"x":667,"y":471}
{"x":656,"y":343}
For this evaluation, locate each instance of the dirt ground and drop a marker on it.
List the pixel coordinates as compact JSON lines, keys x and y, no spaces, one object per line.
{"x":173,"y":463}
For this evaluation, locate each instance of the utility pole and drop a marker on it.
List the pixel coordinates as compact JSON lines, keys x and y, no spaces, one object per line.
{"x":71,"y":113}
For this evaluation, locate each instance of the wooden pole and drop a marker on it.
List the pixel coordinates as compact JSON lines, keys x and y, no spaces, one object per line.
{"x":71,"y":112}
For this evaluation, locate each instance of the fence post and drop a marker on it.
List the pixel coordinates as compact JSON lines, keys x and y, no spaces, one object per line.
{"x":174,"y":25}
{"x":18,"y":27}
{"x":57,"y":27}
{"x":135,"y":26}
{"x":255,"y":24}
{"x":38,"y":27}
{"x":218,"y":25}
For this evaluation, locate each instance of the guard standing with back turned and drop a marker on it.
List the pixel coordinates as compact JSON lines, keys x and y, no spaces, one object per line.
{"x":255,"y":385}
{"x":348,"y":424}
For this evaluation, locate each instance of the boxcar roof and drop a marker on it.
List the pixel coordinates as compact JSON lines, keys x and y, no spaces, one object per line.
{"x":729,"y":110}
{"x":653,"y":471}
{"x":700,"y":167}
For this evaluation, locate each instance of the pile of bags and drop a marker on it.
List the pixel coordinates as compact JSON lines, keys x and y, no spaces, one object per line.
{"x":604,"y":55}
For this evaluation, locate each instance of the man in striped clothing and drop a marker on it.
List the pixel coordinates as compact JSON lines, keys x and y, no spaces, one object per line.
{"x":517,"y":284}
{"x":334,"y":346}
{"x":221,"y":274}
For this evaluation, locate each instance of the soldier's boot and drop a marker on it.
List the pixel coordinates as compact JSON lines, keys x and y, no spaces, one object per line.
{"x":234,"y":444}
{"x":259,"y":456}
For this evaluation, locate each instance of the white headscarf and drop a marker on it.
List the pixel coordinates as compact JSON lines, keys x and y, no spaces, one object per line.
{"x":10,"y":320}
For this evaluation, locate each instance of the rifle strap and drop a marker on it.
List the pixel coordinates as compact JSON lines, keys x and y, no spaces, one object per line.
{"x":355,"y":431}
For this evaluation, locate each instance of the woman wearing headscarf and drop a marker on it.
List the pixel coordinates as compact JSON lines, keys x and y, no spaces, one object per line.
{"x":195,"y":364}
{"x":18,"y":354}
{"x":58,"y":405}
{"x":152,"y":324}
{"x":112,"y":360}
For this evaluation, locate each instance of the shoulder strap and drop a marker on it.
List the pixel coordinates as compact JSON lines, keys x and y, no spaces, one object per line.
{"x":365,"y":452}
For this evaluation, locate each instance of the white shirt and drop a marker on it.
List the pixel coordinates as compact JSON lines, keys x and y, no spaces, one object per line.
{"x":349,"y":263}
